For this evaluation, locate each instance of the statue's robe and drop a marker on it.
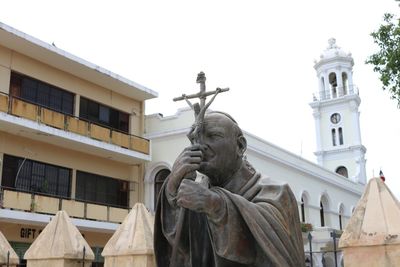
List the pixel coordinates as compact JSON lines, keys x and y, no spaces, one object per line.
{"x":258,"y":226}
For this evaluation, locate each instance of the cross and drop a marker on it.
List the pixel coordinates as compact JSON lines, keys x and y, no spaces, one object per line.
{"x":193,"y":135}
{"x":202,"y":94}
{"x":200,"y":109}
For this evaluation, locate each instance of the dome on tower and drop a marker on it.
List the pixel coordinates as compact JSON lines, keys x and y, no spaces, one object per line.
{"x":333,"y":50}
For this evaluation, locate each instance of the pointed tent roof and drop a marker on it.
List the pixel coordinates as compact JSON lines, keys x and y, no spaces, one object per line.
{"x":59,"y":239}
{"x":376,"y":219}
{"x":134,"y":236}
{"x":5,"y":247}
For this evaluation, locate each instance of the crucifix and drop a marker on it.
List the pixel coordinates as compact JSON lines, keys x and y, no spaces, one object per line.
{"x":200,"y":109}
{"x":193,"y":135}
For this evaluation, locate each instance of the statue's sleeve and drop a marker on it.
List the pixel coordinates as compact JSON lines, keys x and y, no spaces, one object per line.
{"x":168,"y":213}
{"x":169,"y":220}
{"x":257,"y":231}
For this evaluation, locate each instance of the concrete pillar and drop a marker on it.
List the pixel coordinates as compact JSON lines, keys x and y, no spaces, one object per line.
{"x":132,"y":243}
{"x":77,"y":105}
{"x":5,"y":75}
{"x":339,"y":80}
{"x":60,"y":244}
{"x":317,"y":118}
{"x":328,"y":91}
{"x":314,"y":218}
{"x":7,"y":253}
{"x":134,"y":186}
{"x":372,"y":236}
{"x":73,"y":184}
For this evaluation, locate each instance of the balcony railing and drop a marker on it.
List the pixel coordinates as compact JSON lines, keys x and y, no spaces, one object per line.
{"x":335,"y":92}
{"x":50,"y":204}
{"x":31,"y":111}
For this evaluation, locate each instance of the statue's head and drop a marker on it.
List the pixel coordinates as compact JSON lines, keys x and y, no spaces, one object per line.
{"x":223,"y":145}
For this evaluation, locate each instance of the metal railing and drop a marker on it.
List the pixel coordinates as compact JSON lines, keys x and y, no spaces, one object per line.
{"x":335,"y":92}
{"x":66,"y":122}
{"x":310,"y":262}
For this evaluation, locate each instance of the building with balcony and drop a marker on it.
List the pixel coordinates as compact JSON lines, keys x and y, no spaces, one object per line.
{"x":71,"y":138}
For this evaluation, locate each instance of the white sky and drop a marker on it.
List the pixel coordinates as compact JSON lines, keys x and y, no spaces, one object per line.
{"x":263,"y":50}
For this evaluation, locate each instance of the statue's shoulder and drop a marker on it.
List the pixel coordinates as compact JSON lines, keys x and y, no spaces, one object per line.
{"x":268,"y":184}
{"x":266,"y":180}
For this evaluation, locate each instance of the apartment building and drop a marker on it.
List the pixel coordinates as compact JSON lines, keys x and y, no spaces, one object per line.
{"x":70,"y":138}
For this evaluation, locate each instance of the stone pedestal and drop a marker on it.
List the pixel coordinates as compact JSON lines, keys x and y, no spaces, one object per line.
{"x":373,"y":256}
{"x":372,"y":236}
{"x":6,"y":248}
{"x":60,"y":244}
{"x":132,"y":243}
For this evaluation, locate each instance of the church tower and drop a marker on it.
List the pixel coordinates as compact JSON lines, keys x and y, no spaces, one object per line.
{"x":336,"y":114}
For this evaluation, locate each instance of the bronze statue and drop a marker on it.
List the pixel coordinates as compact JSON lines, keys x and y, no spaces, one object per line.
{"x":233,"y":216}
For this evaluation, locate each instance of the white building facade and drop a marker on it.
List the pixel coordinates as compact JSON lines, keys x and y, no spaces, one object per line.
{"x":336,"y":114}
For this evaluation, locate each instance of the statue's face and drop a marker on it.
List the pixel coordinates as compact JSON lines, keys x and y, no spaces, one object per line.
{"x":218,"y":142}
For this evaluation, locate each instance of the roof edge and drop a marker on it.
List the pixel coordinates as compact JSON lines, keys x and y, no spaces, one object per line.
{"x":76,"y":59}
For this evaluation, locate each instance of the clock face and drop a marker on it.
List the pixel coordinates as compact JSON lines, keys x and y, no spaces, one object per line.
{"x":335,"y":118}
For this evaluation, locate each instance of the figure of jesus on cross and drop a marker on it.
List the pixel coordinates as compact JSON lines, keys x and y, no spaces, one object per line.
{"x":200,"y":109}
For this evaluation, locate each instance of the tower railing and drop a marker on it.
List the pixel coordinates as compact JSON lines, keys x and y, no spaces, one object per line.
{"x":336,"y":92}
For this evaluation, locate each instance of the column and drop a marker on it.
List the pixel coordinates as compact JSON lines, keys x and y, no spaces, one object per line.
{"x":327,"y":87}
{"x":73,"y":184}
{"x":351,"y":89}
{"x":321,"y":87}
{"x":317,"y":118}
{"x":77,"y":105}
{"x":5,"y":74}
{"x":356,"y":122}
{"x":339,"y":81}
{"x":134,"y":185}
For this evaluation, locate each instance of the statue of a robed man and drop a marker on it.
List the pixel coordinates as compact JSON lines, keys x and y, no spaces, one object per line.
{"x":231,"y":217}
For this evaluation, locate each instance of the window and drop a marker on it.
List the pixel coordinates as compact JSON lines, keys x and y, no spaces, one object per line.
{"x":101,"y":189}
{"x":303,"y":216}
{"x":321,"y":214}
{"x":340,"y":217}
{"x":158,"y":182}
{"x":342,"y":171}
{"x":340,"y":136}
{"x":334,"y":137}
{"x":33,"y":176}
{"x":103,"y":115}
{"x":41,"y":93}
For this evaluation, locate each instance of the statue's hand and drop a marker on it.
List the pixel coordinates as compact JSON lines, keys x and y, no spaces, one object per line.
{"x":187,"y":162}
{"x":197,"y":197}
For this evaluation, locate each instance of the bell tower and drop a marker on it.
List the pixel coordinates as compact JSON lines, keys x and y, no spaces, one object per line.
{"x":337,"y":118}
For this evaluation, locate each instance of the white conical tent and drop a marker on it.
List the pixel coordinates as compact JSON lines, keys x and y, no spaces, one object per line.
{"x":60,"y":240}
{"x":132,"y":242}
{"x":372,"y":236}
{"x":5,"y":247}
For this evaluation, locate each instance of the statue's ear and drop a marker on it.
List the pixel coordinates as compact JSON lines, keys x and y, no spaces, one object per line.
{"x":242,"y":145}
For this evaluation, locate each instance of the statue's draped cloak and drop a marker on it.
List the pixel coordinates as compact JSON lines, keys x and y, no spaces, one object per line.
{"x":259,"y":226}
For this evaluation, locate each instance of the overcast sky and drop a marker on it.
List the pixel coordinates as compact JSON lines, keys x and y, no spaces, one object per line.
{"x":263,"y":50}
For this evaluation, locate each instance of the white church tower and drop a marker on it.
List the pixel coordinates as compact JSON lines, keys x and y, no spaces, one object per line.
{"x":336,"y":114}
